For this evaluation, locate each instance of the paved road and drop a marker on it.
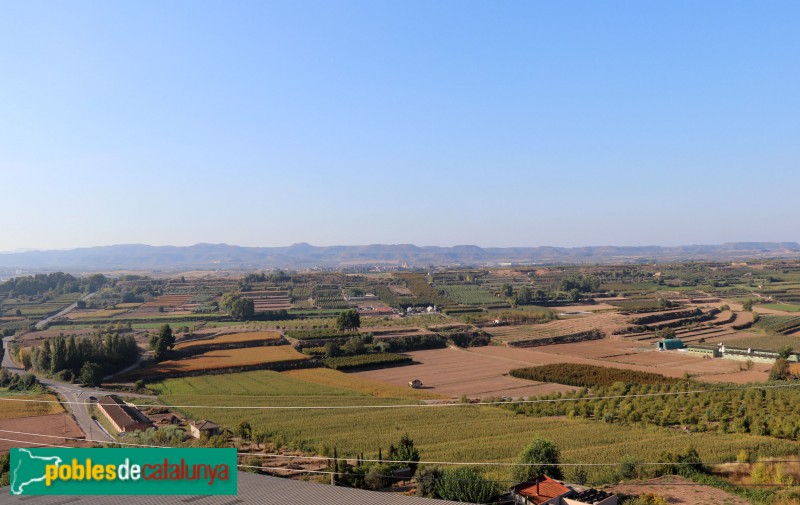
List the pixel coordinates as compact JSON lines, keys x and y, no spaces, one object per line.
{"x":76,"y":395}
{"x":41,"y":324}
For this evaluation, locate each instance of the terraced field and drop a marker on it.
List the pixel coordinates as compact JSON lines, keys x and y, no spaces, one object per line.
{"x":522,"y":334}
{"x":469,"y":294}
{"x":269,"y":300}
{"x":221,"y":360}
{"x":34,"y":309}
{"x":231,"y":338}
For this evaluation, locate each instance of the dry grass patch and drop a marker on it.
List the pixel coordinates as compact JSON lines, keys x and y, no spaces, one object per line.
{"x":225,"y":358}
{"x":11,"y":408}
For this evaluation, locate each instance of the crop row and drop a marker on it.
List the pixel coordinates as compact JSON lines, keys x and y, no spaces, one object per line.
{"x":779,"y":324}
{"x":573,"y":374}
{"x":468,"y":294}
{"x":366,"y":361}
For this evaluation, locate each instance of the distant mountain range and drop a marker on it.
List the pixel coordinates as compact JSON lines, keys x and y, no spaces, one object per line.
{"x":300,"y":256}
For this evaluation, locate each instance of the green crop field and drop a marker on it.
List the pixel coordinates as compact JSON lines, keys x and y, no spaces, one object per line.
{"x":779,"y":324}
{"x":769,"y":341}
{"x":494,"y":434}
{"x":468,"y":294}
{"x":781,"y":306}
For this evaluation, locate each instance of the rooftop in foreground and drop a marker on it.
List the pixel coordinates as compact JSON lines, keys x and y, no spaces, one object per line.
{"x":253,"y":489}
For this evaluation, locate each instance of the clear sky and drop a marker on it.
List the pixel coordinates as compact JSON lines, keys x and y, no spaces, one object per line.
{"x":429,"y":122}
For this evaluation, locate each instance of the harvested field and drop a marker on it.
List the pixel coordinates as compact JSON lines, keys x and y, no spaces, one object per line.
{"x":455,"y":372}
{"x":95,"y":314}
{"x":759,"y":373}
{"x":356,"y":382}
{"x":53,"y":425}
{"x":269,"y":300}
{"x":221,"y":360}
{"x":231,"y":338}
{"x":669,"y":363}
{"x":16,"y":409}
{"x":165,"y":301}
{"x":594,"y":307}
{"x":35,"y":337}
{"x":390,"y":332}
{"x":678,"y":489}
{"x":516,"y":335}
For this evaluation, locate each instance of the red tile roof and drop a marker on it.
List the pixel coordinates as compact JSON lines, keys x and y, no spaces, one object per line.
{"x":541,"y":489}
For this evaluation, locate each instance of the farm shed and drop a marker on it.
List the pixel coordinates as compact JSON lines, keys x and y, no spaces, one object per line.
{"x":710,"y":351}
{"x":123,"y":417}
{"x":670,"y":343}
{"x":203,"y":427}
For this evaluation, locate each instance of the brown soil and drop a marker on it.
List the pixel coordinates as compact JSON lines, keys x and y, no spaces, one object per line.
{"x":455,"y":372}
{"x":679,"y":490}
{"x":54,"y":425}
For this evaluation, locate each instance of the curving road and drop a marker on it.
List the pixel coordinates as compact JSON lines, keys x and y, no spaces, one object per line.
{"x":41,"y":324}
{"x":77,"y":397}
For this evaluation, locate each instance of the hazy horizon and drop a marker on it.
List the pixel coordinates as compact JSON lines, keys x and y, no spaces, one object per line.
{"x":24,"y":250}
{"x":500,"y":125}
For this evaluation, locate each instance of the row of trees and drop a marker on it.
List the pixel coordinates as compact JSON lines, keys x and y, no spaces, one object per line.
{"x":67,"y":357}
{"x":768,"y":412}
{"x":58,"y":282}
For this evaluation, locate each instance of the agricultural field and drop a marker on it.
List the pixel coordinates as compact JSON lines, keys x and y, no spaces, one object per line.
{"x":360,"y":384}
{"x":221,"y":360}
{"x":469,"y":294}
{"x":529,"y":334}
{"x":766,"y":341}
{"x":456,"y":373}
{"x":627,"y":355}
{"x":51,"y":429}
{"x":779,"y":324}
{"x":269,"y":300}
{"x":33,"y":308}
{"x":302,"y":383}
{"x":12,"y":409}
{"x":231,"y":338}
{"x":364,"y":361}
{"x":494,"y":434}
{"x":780,"y":306}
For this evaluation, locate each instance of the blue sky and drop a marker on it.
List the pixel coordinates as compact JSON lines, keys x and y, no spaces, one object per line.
{"x":435,"y":123}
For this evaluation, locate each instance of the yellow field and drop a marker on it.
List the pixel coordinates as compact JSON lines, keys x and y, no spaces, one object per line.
{"x":227,"y":358}
{"x":232,"y":338}
{"x":10,"y":409}
{"x":328,"y":377}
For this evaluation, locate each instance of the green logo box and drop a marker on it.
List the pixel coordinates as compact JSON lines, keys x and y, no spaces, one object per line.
{"x":133,"y":471}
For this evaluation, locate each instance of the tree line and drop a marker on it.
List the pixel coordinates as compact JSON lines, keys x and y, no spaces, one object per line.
{"x":57,"y":282}
{"x":86,"y":359}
